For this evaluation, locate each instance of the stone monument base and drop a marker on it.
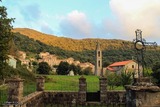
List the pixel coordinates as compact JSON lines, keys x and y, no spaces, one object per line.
{"x":142,"y":94}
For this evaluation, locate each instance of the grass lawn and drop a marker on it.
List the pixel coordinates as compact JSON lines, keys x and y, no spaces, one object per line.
{"x":29,"y":88}
{"x":3,"y":94}
{"x":71,"y":83}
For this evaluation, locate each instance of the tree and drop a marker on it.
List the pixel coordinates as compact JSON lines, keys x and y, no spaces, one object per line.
{"x":126,"y":78}
{"x":5,"y":38}
{"x":63,"y":68}
{"x":76,"y":69}
{"x":43,"y":68}
{"x":87,"y":71}
{"x":105,"y":64}
{"x":147,"y":72}
{"x":156,"y":73}
{"x":113,"y":80}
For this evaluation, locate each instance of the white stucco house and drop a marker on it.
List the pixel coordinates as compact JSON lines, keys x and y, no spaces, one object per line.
{"x":12,"y":61}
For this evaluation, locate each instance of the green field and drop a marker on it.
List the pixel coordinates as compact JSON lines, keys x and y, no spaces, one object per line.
{"x":71,"y":83}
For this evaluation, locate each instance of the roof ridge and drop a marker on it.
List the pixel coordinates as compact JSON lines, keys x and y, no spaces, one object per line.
{"x":121,"y":63}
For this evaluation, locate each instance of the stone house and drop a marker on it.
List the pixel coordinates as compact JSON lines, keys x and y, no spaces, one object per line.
{"x":22,"y":58}
{"x":53,"y":60}
{"x":69,"y":60}
{"x":44,"y":54}
{"x":21,"y":55}
{"x":86,"y":65}
{"x":127,"y":66}
{"x":50,"y":59}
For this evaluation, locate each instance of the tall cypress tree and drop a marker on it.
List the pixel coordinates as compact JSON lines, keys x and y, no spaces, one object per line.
{"x":5,"y":37}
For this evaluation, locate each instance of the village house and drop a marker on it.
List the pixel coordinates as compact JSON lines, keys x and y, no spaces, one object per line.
{"x":86,"y":65}
{"x":69,"y":60}
{"x":44,"y":54}
{"x":24,"y":61}
{"x":50,"y":59}
{"x":12,"y":61}
{"x":22,"y":58}
{"x":76,"y":62}
{"x":126,"y":66}
{"x":21,"y":55}
{"x":53,"y":60}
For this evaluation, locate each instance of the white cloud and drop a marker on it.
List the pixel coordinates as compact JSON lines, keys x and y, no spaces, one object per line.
{"x":76,"y":25}
{"x":138,"y":14}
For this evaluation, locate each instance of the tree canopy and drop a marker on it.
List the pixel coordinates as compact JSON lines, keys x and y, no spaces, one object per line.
{"x":43,"y":68}
{"x":156,"y":72}
{"x":5,"y":37}
{"x":63,"y":68}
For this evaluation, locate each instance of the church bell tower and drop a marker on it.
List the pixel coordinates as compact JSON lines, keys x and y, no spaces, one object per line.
{"x":98,"y":59}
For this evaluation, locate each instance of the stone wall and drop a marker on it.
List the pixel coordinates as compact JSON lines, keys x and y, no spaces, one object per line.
{"x":134,"y":97}
{"x":103,"y":89}
{"x":143,"y":96}
{"x":15,"y":92}
{"x":116,"y":97}
{"x":82,"y":90}
{"x":32,"y":100}
{"x":67,"y":99}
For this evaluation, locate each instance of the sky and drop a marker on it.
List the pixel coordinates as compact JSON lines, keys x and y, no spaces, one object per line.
{"x":79,"y":19}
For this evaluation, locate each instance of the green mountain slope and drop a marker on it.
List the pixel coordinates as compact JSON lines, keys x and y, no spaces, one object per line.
{"x":71,"y":44}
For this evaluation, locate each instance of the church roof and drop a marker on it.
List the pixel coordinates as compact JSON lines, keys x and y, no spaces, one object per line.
{"x":120,"y":63}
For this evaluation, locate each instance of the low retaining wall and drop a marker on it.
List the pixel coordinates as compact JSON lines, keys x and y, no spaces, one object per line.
{"x":42,"y":98}
{"x":72,"y":98}
{"x":68,"y":99}
{"x":60,"y":98}
{"x":116,"y":97}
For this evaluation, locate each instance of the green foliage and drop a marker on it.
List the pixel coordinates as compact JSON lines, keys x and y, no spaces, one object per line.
{"x":126,"y":78}
{"x":113,"y":80}
{"x":87,"y":71}
{"x":63,"y":68}
{"x":34,"y":63}
{"x":76,"y":69}
{"x":106,"y":63}
{"x":43,"y":68}
{"x":147,"y":72}
{"x":5,"y":38}
{"x":20,"y":71}
{"x":156,"y":72}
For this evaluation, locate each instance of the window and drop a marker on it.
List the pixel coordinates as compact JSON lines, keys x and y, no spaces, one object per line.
{"x":99,"y":53}
{"x":132,"y":66}
{"x":99,"y":63}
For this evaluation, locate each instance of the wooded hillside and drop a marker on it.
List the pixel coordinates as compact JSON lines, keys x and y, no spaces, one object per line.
{"x":113,"y":50}
{"x":72,"y":44}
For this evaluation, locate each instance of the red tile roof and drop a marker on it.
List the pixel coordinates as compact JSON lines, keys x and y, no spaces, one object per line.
{"x":110,"y":69}
{"x":120,"y":63}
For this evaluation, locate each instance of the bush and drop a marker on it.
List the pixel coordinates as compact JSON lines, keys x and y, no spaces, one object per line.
{"x":126,"y":78}
{"x":43,"y":68}
{"x":63,"y":68}
{"x":20,"y":71}
{"x":113,"y":80}
{"x":156,"y":73}
{"x":87,"y":71}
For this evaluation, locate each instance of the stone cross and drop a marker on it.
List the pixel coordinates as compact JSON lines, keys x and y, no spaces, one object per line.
{"x":140,"y":45}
